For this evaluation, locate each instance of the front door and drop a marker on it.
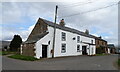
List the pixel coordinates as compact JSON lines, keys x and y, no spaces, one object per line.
{"x":84,"y":50}
{"x":44,"y":51}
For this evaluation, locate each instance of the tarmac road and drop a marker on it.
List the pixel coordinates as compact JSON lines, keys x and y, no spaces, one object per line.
{"x":69,"y":63}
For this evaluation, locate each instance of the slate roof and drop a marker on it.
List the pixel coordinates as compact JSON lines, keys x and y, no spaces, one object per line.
{"x":111,"y":46}
{"x":66,"y":28}
{"x":70,"y":30}
{"x":37,"y":37}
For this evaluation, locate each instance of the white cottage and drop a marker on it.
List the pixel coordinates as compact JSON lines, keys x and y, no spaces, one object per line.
{"x":68,"y":41}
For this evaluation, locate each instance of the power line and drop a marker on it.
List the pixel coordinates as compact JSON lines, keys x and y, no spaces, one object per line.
{"x":88,"y":11}
{"x":78,"y":3}
{"x":64,"y":7}
{"x":71,"y":4}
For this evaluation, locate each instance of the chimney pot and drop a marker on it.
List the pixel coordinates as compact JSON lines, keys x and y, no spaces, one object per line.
{"x":62,"y":23}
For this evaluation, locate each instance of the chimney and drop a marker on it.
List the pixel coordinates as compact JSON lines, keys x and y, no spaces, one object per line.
{"x":62,"y":23}
{"x":87,"y":32}
{"x":100,"y":37}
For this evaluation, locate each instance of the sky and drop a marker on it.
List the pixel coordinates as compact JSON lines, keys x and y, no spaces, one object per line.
{"x":20,"y":17}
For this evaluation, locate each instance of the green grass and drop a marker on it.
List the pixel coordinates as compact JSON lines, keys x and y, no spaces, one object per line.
{"x":0,"y":52}
{"x":22,"y":57}
{"x":119,"y":62}
{"x":6,"y":52}
{"x":101,"y":54}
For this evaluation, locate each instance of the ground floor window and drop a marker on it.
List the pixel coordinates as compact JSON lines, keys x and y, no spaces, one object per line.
{"x":78,"y":48}
{"x":63,"y":50}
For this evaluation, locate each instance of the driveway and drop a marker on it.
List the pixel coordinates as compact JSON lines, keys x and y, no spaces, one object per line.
{"x":69,"y":63}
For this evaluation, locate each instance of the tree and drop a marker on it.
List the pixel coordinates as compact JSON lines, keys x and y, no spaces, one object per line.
{"x":15,"y":43}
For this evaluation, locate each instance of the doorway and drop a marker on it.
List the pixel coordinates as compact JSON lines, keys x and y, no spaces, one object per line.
{"x":84,"y":50}
{"x":44,"y":51}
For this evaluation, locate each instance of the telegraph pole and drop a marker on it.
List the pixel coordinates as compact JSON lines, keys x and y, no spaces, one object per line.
{"x":54,"y":31}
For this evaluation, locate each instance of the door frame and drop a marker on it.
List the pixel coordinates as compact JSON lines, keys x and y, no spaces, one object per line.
{"x":46,"y":50}
{"x":85,"y":50}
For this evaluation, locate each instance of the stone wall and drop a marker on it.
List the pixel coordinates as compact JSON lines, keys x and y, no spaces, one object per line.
{"x":101,"y":43}
{"x":28,"y":49}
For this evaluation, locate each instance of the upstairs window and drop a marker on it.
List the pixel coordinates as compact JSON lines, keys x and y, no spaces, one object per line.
{"x":78,"y":48}
{"x":63,"y":36}
{"x":102,"y":43}
{"x":78,"y":39}
{"x":98,"y":42}
{"x":63,"y":50}
{"x":92,"y":41}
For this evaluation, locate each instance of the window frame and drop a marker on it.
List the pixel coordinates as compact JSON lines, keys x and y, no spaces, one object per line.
{"x":63,"y":48}
{"x":63,"y":36}
{"x":91,"y":41}
{"x":78,"y":39}
{"x":78,"y":48}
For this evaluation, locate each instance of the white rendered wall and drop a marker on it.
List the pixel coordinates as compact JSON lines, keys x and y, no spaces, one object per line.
{"x":91,"y":49}
{"x":109,"y":50}
{"x":44,"y":41}
{"x":71,"y":45}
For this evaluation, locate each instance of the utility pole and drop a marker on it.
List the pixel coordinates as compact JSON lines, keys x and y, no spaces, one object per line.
{"x":54,"y":31}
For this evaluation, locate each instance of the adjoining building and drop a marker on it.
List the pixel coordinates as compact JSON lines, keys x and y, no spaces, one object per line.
{"x":68,"y":41}
{"x":101,"y":45}
{"x":111,"y":48}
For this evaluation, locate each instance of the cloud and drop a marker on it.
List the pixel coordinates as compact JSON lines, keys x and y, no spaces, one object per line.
{"x":11,"y":13}
{"x":102,"y":22}
{"x":10,"y":32}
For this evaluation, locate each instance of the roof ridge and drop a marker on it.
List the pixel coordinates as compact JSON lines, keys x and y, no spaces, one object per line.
{"x":59,"y":25}
{"x":74,"y":30}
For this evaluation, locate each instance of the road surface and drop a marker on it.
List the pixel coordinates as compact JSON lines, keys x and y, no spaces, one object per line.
{"x":69,"y":63}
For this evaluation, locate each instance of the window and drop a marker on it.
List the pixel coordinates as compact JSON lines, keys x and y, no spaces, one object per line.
{"x":102,"y":43}
{"x":98,"y":42}
{"x":63,"y":48}
{"x":78,"y":48}
{"x":78,"y":39}
{"x":63,"y":36}
{"x":92,"y":41}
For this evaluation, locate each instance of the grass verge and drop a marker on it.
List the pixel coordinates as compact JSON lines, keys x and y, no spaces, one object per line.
{"x":22,"y":57}
{"x":6,"y":52}
{"x":0,"y":52}
{"x":101,"y":54}
{"x":118,"y":62}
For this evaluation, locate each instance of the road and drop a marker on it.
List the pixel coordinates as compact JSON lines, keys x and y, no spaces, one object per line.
{"x":69,"y":63}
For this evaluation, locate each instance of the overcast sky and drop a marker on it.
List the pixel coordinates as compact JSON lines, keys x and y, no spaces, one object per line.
{"x":20,"y":17}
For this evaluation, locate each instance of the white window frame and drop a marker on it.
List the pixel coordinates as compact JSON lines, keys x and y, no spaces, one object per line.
{"x":78,"y":48}
{"x":63,"y":36}
{"x":63,"y":48}
{"x":91,"y":41}
{"x":78,"y":39}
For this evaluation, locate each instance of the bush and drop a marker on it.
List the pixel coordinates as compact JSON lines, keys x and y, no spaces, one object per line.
{"x":22,"y":57}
